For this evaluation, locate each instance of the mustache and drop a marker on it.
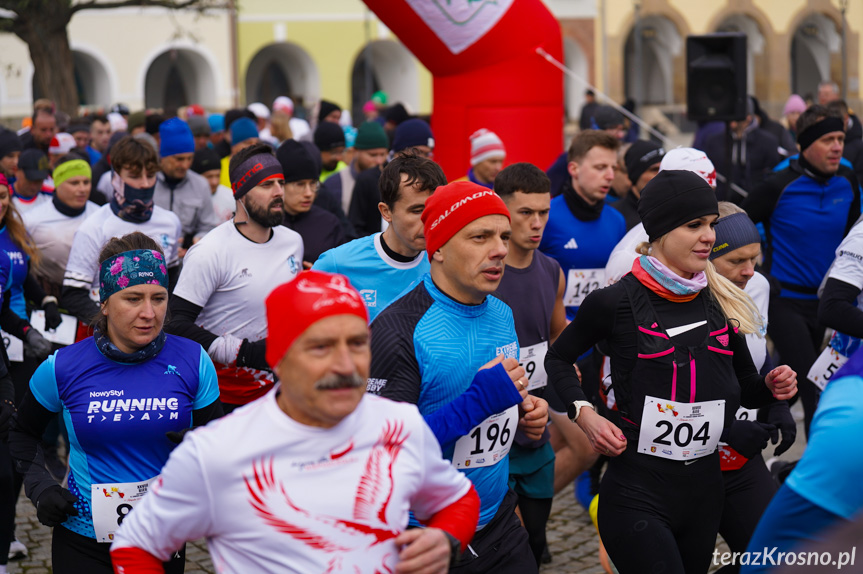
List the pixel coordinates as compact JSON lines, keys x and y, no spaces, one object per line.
{"x":340,"y":382}
{"x":278,"y":202}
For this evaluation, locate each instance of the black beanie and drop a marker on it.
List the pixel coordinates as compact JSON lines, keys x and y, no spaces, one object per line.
{"x":326,"y":109}
{"x":672,"y":198}
{"x":205,"y":160}
{"x":328,"y":136}
{"x":297,"y":163}
{"x":9,"y":142}
{"x":640,"y":156}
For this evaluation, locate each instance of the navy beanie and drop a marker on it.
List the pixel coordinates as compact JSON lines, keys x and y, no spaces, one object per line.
{"x":298,"y":164}
{"x":328,"y":136}
{"x":175,"y":137}
{"x":411,"y":133}
{"x":9,"y":142}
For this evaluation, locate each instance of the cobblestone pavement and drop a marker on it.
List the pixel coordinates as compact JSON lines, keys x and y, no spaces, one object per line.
{"x":572,"y":538}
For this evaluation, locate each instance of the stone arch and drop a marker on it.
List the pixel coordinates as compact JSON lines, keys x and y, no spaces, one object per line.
{"x":662,"y":45}
{"x":815,"y":52}
{"x":179,"y":76}
{"x":385,"y":65}
{"x":282,"y":69}
{"x":93,"y":78}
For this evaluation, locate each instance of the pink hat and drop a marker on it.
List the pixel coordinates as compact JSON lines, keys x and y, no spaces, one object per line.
{"x":794,"y":104}
{"x":485,"y":144}
{"x":369,"y":106}
{"x":62,"y":144}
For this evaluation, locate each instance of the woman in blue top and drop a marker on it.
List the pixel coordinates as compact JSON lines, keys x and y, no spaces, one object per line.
{"x":126,"y":395}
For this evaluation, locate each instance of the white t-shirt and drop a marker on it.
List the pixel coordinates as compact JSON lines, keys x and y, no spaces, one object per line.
{"x":759,"y":289}
{"x":53,"y":233}
{"x":82,"y":269}
{"x":229,"y":277}
{"x":25,"y":205}
{"x":273,"y":495}
{"x":224,"y":203}
{"x":848,"y":265}
{"x":623,"y":254}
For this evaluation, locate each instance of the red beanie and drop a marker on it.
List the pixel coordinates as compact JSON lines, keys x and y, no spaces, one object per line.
{"x":453,"y":206}
{"x":294,"y":307}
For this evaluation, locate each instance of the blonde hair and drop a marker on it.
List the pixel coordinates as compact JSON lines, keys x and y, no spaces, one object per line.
{"x":735,"y":303}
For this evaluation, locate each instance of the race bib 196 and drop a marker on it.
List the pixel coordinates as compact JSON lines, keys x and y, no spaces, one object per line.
{"x":112,"y":502}
{"x":488,"y":442}
{"x":680,"y":431}
{"x":825,"y":366}
{"x":532,"y":360}
{"x":580,"y":283}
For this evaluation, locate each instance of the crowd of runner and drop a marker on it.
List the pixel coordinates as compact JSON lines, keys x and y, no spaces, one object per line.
{"x":388,"y":372}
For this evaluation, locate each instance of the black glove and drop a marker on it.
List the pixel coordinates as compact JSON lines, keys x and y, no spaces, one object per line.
{"x":176,"y":437}
{"x":779,"y":414}
{"x":55,"y":505}
{"x":253,"y":354}
{"x":53,"y":319}
{"x":36,"y":346}
{"x":749,"y":438}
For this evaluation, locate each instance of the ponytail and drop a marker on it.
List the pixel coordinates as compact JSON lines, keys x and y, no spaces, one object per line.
{"x":736,"y":304}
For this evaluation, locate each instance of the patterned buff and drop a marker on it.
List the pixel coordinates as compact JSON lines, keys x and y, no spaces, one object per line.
{"x":665,"y":282}
{"x":145,"y":353}
{"x":139,"y":267}
{"x":294,"y":307}
{"x":131,"y":203}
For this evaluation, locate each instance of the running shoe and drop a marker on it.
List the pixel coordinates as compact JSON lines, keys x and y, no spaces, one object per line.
{"x":17,"y":550}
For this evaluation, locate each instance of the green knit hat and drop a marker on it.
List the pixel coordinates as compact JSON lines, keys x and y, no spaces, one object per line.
{"x":371,"y":135}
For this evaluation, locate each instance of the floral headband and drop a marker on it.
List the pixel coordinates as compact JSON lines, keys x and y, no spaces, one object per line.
{"x":139,"y":267}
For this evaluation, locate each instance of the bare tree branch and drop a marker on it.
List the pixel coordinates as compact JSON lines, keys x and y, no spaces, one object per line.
{"x":172,"y":4}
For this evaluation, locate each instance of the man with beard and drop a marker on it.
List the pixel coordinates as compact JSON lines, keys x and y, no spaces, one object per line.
{"x":219,"y":300}
{"x":131,"y":209}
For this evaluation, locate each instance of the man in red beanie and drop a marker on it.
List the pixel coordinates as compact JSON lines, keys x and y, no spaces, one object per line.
{"x":317,"y":475}
{"x":450,"y":347}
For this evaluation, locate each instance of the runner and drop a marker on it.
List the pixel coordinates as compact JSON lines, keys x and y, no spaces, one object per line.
{"x":672,"y":297}
{"x":807,"y":209}
{"x":219,"y":300}
{"x":749,"y":486}
{"x":450,"y":348}
{"x":316,"y":476}
{"x":53,"y":225}
{"x":382,"y":266}
{"x":823,"y":491}
{"x":533,"y":287}
{"x":119,"y":392}
{"x":133,"y":179}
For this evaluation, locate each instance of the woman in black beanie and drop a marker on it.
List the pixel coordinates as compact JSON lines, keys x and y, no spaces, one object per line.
{"x":680,"y":368}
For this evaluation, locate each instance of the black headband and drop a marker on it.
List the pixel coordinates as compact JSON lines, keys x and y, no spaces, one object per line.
{"x":811,"y":134}
{"x":732,"y":232}
{"x":253,"y":172}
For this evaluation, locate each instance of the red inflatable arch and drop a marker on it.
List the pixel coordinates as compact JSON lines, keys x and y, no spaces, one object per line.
{"x":487,"y":74}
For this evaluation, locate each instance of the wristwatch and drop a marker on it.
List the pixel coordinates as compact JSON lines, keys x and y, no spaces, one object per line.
{"x":574,"y":409}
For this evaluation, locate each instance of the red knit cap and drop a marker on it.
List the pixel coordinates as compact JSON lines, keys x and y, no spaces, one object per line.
{"x":294,"y":307}
{"x":453,"y":206}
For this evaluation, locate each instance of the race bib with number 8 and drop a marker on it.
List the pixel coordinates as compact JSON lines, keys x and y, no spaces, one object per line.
{"x":532,"y":360}
{"x":111,"y":503}
{"x":680,"y":431}
{"x":488,"y":442}
{"x":580,"y":283}
{"x":825,"y":366}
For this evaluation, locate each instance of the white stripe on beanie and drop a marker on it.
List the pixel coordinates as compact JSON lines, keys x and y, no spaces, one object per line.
{"x":484,"y":144}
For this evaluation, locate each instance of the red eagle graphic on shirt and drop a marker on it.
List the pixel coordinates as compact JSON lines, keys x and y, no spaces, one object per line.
{"x":347,"y":540}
